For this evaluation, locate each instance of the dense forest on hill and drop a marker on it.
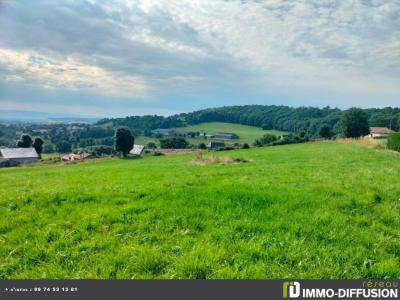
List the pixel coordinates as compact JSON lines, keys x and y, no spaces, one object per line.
{"x":300,"y":119}
{"x":284,"y":118}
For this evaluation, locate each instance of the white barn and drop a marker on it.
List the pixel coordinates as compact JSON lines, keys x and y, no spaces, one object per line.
{"x":137,"y":150}
{"x":20,"y":155}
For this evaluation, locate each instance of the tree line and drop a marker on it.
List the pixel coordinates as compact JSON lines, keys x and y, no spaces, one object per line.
{"x":285,"y":118}
{"x":301,"y":119}
{"x":303,"y":122}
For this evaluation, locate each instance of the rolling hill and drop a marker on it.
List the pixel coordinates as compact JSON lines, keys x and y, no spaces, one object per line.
{"x":315,"y":210}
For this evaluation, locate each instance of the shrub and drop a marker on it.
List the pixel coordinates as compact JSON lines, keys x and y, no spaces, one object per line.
{"x":265,"y":140}
{"x":202,"y":146}
{"x":257,"y":143}
{"x":325,"y":131}
{"x":102,"y":150}
{"x":245,"y":146}
{"x":290,"y":139}
{"x":393,"y":142}
{"x":268,"y":138}
{"x":174,"y":143}
{"x":151,"y":145}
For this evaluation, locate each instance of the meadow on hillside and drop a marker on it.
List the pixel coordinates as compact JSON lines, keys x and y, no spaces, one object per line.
{"x":247,"y":134}
{"x":315,"y":210}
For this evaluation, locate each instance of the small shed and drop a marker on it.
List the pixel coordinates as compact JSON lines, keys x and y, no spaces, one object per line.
{"x":215,"y":145}
{"x":20,"y":155}
{"x":137,"y":150}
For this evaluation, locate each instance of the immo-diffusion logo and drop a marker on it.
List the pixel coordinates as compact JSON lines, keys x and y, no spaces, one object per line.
{"x":377,"y":290}
{"x":291,"y":289}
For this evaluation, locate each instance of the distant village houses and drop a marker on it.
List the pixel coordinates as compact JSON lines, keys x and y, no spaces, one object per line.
{"x":182,"y":133}
{"x":379,"y":132}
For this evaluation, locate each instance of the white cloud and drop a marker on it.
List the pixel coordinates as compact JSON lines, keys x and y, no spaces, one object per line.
{"x":147,"y":38}
{"x":32,"y":68}
{"x":347,"y":49}
{"x":310,"y":44}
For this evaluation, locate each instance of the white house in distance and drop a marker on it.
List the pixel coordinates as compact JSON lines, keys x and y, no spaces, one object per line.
{"x":19,"y":155}
{"x":379,"y":132}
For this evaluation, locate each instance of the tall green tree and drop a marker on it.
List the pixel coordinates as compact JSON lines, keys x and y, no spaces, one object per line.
{"x":325,"y":131}
{"x":124,"y":140}
{"x":38,"y":145}
{"x":354,"y":123}
{"x":25,"y":141}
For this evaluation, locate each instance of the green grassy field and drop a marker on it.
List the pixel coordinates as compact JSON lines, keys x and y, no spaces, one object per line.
{"x":144,"y":140}
{"x":247,"y":134}
{"x":317,"y":210}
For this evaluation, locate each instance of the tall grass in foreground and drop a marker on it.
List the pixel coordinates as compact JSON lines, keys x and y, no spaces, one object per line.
{"x":202,"y":159}
{"x":368,"y":142}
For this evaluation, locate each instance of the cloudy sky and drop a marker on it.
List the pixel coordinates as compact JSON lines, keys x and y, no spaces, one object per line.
{"x":125,"y":57}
